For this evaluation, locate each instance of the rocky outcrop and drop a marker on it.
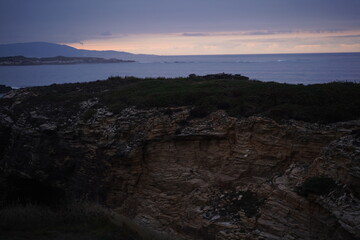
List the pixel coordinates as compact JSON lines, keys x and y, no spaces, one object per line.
{"x":4,"y":89}
{"x":215,"y":177}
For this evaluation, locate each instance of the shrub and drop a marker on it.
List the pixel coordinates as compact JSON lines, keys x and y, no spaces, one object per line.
{"x":35,"y":217}
{"x":316,"y":185}
{"x":239,"y":96}
{"x":88,"y":114}
{"x":198,"y":112}
{"x":77,"y":221}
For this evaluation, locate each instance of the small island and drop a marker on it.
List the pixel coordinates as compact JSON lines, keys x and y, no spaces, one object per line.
{"x":21,"y":60}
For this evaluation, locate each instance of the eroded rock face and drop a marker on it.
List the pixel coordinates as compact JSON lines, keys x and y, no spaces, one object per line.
{"x":216,"y":177}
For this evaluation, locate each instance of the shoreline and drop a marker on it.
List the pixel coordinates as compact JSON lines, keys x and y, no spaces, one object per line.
{"x":59,"y":60}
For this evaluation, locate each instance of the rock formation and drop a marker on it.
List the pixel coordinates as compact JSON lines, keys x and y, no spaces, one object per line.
{"x":216,"y":177}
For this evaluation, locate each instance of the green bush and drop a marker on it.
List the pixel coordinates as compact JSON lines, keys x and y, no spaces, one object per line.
{"x":34,"y":217}
{"x":239,"y":96}
{"x":316,"y":185}
{"x":82,"y":220}
{"x":198,"y":112}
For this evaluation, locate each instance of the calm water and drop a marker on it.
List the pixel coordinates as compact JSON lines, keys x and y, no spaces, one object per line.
{"x":289,"y":68}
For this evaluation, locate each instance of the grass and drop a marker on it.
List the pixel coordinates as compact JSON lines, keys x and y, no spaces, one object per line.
{"x":73,"y":222}
{"x":141,"y":232}
{"x":86,"y":221}
{"x":239,"y":96}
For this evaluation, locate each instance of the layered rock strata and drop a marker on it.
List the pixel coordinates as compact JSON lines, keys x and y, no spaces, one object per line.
{"x":215,"y":177}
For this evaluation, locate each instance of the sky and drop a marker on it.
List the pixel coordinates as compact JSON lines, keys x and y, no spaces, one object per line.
{"x":186,"y":27}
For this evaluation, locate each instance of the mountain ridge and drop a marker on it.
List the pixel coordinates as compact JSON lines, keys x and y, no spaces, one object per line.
{"x":45,"y":49}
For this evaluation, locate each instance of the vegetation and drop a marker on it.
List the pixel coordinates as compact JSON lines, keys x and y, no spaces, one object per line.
{"x":316,"y":185}
{"x":236,"y":94}
{"x":4,"y":89}
{"x":79,"y":221}
{"x":39,"y":222}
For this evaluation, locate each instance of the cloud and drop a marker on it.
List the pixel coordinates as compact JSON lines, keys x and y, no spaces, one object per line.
{"x":326,"y":30}
{"x":268,"y":32}
{"x":255,"y":41}
{"x":260,"y":33}
{"x":196,"y":34}
{"x":241,"y":33}
{"x":90,"y":19}
{"x":348,"y":36}
{"x":106,"y":33}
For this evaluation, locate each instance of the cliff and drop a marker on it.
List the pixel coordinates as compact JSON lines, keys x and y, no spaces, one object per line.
{"x":195,"y":177}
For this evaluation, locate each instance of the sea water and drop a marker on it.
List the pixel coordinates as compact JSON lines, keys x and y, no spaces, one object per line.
{"x":283,"y":68}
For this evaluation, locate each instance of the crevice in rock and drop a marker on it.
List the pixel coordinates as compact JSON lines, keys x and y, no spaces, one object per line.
{"x":5,"y":133}
{"x":142,"y":162}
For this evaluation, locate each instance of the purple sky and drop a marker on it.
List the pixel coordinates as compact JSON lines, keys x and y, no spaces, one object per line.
{"x":186,"y":26}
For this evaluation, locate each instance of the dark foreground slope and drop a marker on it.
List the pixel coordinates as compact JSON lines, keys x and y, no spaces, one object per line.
{"x":236,"y":94}
{"x":213,"y":157}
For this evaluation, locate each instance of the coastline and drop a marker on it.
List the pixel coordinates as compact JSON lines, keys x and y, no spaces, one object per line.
{"x":296,"y":69}
{"x":59,"y":60}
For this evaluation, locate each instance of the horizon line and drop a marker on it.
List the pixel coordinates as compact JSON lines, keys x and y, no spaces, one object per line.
{"x":170,"y":55}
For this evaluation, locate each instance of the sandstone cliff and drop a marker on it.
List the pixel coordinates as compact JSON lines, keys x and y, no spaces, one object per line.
{"x":216,"y":177}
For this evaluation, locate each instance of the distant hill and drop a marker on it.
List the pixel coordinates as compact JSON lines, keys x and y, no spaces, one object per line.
{"x":44,"y":49}
{"x":21,"y":60}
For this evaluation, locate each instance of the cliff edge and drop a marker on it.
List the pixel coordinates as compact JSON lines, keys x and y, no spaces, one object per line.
{"x":180,"y":171}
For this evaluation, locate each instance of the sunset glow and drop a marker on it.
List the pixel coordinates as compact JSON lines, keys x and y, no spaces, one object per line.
{"x":186,"y":27}
{"x":228,"y":43}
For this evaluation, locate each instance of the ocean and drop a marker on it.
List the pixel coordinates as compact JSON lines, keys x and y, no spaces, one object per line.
{"x":283,"y":68}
